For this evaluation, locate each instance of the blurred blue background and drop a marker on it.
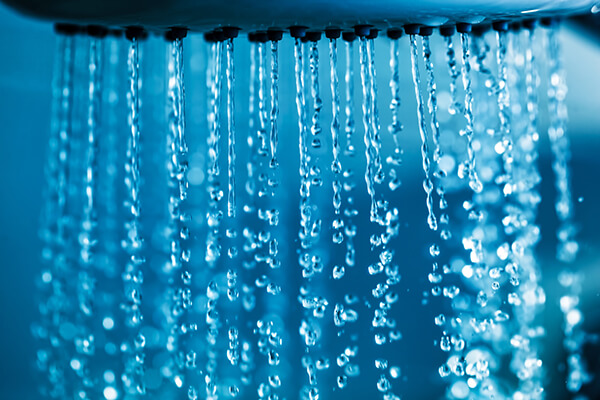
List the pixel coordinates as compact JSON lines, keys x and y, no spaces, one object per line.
{"x":26,"y":49}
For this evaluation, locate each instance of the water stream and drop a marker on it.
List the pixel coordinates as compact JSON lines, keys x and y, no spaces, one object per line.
{"x":259,"y":298}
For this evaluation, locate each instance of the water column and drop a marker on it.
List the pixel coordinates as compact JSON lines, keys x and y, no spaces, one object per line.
{"x":111,"y":192}
{"x":86,"y":280}
{"x":133,"y":275}
{"x":181,"y":328}
{"x":233,"y":334}
{"x":396,"y":127}
{"x":568,"y":247}
{"x":52,"y":357}
{"x":384,"y":219}
{"x":214,"y":215}
{"x":344,"y":313}
{"x":525,"y":292}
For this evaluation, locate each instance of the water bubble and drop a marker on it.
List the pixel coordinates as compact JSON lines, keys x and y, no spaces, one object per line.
{"x":108,"y":323}
{"x":380,"y":339}
{"x":110,"y":393}
{"x":263,"y":390}
{"x":338,"y":237}
{"x":445,"y":343}
{"x":140,"y":341}
{"x":500,"y":316}
{"x":451,"y":291}
{"x":444,"y":370}
{"x":434,"y":278}
{"x":440,"y":320}
{"x":273,"y":357}
{"x":338,"y":271}
{"x":274,"y":381}
{"x":352,"y":370}
{"x":383,"y":384}
{"x":234,"y":391}
{"x":460,"y":390}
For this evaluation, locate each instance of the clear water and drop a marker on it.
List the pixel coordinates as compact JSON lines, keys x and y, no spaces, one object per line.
{"x":315,"y":284}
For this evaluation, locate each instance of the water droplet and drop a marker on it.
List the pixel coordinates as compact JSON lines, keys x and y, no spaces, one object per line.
{"x":338,"y":271}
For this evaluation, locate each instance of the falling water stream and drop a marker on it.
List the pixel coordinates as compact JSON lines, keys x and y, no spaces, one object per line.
{"x":133,"y":276}
{"x":86,"y":280}
{"x":396,"y":126}
{"x":471,"y":171}
{"x":305,"y":302}
{"x":568,"y":247}
{"x":54,"y":312}
{"x":214,"y":217}
{"x":456,"y":106}
{"x":428,"y":182}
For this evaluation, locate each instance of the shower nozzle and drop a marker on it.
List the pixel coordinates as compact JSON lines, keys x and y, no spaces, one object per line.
{"x":204,"y":15}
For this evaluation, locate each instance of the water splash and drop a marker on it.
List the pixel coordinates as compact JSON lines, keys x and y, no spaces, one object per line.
{"x":133,"y":276}
{"x":427,"y":182}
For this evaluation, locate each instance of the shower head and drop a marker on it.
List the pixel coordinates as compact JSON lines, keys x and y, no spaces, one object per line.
{"x":202,"y":15}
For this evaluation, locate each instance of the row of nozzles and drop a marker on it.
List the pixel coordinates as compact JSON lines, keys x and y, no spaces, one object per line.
{"x":306,"y":34}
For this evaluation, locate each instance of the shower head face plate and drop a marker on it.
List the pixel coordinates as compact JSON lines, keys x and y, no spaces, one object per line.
{"x":202,"y":15}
